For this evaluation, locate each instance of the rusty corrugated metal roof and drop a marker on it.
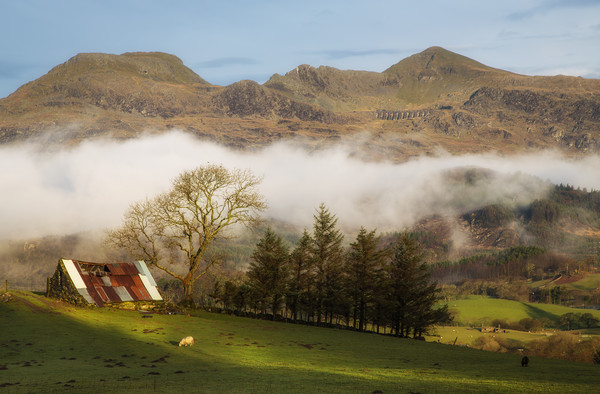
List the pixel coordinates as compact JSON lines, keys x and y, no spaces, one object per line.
{"x":115,"y":269}
{"x":116,"y":282}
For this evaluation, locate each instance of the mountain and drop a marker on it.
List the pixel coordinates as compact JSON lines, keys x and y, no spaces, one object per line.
{"x":432,"y":99}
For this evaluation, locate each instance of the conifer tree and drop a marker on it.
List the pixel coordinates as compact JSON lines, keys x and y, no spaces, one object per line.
{"x":268,"y":272}
{"x":300,"y":288}
{"x":412,"y":296}
{"x":328,"y":259}
{"x":364,"y":261}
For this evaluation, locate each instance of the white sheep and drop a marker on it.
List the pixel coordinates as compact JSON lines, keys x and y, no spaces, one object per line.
{"x":187,"y":341}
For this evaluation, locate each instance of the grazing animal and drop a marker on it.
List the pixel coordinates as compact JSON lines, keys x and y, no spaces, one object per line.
{"x":524,"y":361}
{"x":187,"y":341}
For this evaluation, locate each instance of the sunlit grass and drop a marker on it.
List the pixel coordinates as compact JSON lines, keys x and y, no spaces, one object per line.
{"x":589,"y":283}
{"x":91,"y":350}
{"x":477,"y":310}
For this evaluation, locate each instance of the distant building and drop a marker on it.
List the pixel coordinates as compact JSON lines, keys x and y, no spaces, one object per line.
{"x":84,"y":283}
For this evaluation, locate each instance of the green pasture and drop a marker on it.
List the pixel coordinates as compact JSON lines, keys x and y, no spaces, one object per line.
{"x":48,"y":346}
{"x":589,"y":283}
{"x":478,"y":310}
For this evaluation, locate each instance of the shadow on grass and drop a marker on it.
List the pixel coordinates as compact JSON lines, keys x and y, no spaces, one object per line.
{"x":82,"y":348}
{"x":78,"y":348}
{"x":538,"y":313}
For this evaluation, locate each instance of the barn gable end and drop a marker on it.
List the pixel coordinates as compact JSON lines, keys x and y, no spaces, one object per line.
{"x":85,"y":283}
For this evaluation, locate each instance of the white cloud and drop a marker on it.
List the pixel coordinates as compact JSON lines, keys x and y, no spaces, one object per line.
{"x":90,"y":186}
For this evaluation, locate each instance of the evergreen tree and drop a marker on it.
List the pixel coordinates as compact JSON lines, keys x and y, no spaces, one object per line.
{"x":300,"y":289}
{"x":268,"y":272}
{"x":364,"y":262}
{"x":412,"y":296}
{"x":327,"y":254}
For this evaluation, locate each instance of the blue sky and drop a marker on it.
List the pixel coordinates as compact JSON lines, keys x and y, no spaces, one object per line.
{"x":227,"y":41}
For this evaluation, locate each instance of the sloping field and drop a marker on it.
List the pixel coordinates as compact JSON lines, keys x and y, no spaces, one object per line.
{"x":468,"y":335}
{"x":47,"y":346}
{"x":588,"y":283}
{"x":477,"y":310}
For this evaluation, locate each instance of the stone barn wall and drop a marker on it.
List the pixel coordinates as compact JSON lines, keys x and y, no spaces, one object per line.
{"x":61,"y":287}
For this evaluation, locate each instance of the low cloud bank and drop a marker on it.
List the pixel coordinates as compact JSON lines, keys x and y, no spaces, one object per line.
{"x":89,"y":187}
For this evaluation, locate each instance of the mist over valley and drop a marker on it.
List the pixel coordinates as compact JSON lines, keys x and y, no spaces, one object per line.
{"x":76,"y":193}
{"x":89,"y":186}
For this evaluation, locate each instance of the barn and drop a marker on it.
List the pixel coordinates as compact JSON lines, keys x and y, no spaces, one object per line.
{"x":116,"y":284}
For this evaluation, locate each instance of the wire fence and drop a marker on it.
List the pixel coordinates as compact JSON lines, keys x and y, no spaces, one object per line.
{"x":7,"y":285}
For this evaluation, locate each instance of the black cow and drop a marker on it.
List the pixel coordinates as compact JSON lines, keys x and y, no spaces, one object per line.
{"x":524,"y":361}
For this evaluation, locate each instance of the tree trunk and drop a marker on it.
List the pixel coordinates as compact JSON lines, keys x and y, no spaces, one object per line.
{"x":188,"y":293}
{"x":361,"y":315}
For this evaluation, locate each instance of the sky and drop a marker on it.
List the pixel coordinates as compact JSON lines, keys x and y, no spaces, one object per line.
{"x":227,"y":41}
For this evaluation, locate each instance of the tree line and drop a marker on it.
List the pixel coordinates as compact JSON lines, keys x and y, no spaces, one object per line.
{"x":319,"y":281}
{"x":517,"y":263}
{"x":368,"y":285}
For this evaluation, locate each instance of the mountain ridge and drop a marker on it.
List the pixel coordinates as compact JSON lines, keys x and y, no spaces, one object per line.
{"x":436,"y":98}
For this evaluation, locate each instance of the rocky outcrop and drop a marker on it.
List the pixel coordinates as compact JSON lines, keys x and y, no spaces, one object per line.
{"x":549,"y":106}
{"x":248,"y":98}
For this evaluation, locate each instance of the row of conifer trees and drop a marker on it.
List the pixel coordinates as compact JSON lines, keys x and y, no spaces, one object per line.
{"x":368,"y":285}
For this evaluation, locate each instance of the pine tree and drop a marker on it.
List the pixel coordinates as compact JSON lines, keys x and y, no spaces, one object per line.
{"x":300,"y":289}
{"x":364,"y":261}
{"x":412,"y":296}
{"x":328,"y":258}
{"x":268,"y":272}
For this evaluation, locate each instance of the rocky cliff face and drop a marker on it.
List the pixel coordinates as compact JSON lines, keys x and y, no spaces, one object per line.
{"x":248,"y":98}
{"x":571,"y":120}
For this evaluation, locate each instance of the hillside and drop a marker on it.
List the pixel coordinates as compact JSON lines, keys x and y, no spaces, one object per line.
{"x":48,"y":345}
{"x":477,"y":310}
{"x":565,"y":221}
{"x":432,"y":99}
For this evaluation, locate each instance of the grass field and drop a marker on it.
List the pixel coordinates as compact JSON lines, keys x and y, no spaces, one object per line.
{"x":589,"y":283}
{"x":48,"y":346}
{"x":467,"y":335}
{"x":477,"y":310}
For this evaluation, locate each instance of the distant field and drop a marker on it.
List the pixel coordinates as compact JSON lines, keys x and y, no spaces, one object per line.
{"x":589,"y":283}
{"x":477,"y":310}
{"x":467,"y":335}
{"x":46,"y":346}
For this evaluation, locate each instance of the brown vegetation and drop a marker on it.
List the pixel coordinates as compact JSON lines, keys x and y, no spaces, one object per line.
{"x":469,"y":105}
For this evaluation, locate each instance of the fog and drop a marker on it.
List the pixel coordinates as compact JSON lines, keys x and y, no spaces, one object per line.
{"x":89,"y":186}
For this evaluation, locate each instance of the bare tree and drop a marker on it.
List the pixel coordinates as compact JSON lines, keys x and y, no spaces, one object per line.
{"x":179,"y":226}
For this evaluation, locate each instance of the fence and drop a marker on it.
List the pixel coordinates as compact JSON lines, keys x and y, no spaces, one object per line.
{"x":7,"y":285}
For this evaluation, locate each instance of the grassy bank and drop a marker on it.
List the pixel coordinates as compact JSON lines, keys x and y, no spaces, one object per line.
{"x":46,"y":346}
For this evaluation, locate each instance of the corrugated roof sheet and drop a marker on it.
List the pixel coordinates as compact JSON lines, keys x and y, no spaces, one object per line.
{"x":115,"y":269}
{"x":116,"y":282}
